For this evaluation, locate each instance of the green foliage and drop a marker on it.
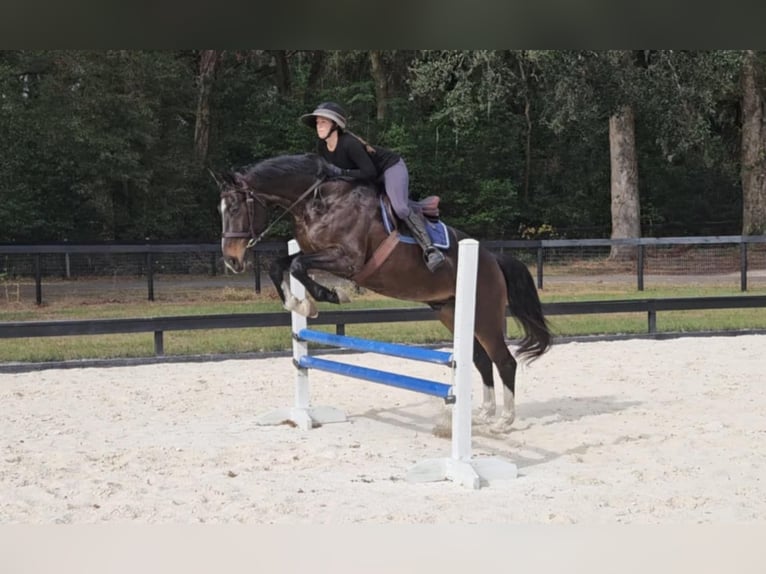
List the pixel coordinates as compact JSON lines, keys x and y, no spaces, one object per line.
{"x":488,"y":212}
{"x":94,"y":146}
{"x":99,"y":145}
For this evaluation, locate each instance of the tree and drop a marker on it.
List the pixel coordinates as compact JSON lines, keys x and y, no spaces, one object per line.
{"x":381,"y":84}
{"x":626,"y":207}
{"x":317,"y":60}
{"x":282,"y":70}
{"x":108,"y":144}
{"x":207,"y":64}
{"x":753,"y":147}
{"x":478,"y":105}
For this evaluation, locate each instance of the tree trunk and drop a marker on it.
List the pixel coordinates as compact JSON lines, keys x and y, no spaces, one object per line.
{"x":528,"y":117}
{"x":207,"y":64}
{"x":626,"y":209}
{"x":381,"y":83}
{"x":283,"y":72}
{"x":318,"y":58}
{"x":753,"y":169}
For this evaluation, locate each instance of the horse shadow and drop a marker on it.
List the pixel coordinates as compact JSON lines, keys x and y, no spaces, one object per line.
{"x":567,"y":409}
{"x":550,"y":412}
{"x":528,"y":415}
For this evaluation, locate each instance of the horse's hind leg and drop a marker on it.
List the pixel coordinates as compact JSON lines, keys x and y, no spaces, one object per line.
{"x":506,"y":367}
{"x":492,"y":340}
{"x":483,"y":364}
{"x":489,"y":350}
{"x":488,"y":330}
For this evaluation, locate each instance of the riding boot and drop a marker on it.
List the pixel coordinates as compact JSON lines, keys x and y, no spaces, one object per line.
{"x":433,"y":257}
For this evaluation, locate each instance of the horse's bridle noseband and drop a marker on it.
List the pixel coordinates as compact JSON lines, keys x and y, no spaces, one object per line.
{"x":250,"y":199}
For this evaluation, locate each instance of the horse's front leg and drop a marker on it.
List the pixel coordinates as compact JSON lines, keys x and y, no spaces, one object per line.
{"x":332,"y":260}
{"x":277,"y":271}
{"x":278,"y":275}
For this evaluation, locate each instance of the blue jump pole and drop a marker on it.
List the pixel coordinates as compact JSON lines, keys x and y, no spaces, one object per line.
{"x":380,"y":347}
{"x":416,"y":384}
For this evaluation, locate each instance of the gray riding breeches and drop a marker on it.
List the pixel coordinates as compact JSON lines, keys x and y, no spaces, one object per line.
{"x":396,"y":180}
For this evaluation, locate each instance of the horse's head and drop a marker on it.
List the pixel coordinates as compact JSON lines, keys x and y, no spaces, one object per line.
{"x":283,"y":181}
{"x":243,"y":217}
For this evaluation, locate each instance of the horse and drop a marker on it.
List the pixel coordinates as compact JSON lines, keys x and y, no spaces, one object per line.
{"x":339,"y":228}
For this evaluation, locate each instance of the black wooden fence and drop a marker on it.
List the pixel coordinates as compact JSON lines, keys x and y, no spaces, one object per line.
{"x":159,"y":325}
{"x":147,"y":251}
{"x":538,"y":249}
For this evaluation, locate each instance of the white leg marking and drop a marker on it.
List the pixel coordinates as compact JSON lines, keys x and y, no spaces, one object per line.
{"x":305,"y":307}
{"x":487,"y":409}
{"x":342,"y":295}
{"x":505,"y":420}
{"x":291,"y":301}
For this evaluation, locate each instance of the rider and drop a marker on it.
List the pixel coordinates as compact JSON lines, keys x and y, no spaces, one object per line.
{"x":351,"y":156}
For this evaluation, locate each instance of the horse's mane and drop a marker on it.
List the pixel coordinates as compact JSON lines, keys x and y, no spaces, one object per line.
{"x":284,"y":165}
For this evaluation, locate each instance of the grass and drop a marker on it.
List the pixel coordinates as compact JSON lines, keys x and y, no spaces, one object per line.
{"x":244,"y":300}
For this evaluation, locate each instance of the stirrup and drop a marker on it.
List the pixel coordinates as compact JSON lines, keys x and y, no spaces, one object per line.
{"x":434,"y":259}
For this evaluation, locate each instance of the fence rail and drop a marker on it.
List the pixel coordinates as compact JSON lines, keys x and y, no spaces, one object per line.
{"x":212,"y":250}
{"x":159,"y":325}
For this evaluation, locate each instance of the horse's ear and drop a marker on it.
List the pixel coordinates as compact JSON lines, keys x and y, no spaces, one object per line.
{"x":240,"y":181}
{"x":217,"y":181}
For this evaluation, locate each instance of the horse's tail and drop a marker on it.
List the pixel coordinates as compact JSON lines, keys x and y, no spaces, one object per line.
{"x":525,"y":306}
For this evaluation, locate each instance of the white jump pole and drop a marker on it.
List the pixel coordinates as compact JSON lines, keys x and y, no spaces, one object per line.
{"x":302,"y":414}
{"x":460,"y":467}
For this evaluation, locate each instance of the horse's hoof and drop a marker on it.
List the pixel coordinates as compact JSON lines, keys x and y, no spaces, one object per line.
{"x":484,"y":415}
{"x":307,"y":309}
{"x":291,"y":304}
{"x":503,"y":425}
{"x":342,"y":296}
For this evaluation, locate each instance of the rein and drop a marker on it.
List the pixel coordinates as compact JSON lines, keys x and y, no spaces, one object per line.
{"x":251,"y":198}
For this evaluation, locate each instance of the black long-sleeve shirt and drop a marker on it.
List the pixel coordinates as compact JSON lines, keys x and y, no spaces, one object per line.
{"x":351,"y":156}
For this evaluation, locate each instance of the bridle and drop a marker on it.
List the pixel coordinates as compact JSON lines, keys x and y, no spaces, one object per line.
{"x":250,"y":199}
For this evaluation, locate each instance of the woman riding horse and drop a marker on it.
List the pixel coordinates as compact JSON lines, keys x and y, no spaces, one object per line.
{"x":339,"y":228}
{"x":351,"y":156}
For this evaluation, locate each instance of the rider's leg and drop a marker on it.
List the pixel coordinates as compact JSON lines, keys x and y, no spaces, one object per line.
{"x":417,"y":224}
{"x":396,"y":180}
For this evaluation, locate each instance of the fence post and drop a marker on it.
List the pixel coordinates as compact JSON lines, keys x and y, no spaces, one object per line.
{"x":67,"y":269}
{"x":39,"y":278}
{"x":640,"y":266}
{"x":257,"y":270}
{"x":150,"y":275}
{"x":540,"y":267}
{"x":743,"y":265}
{"x":652,"y":317}
{"x":159,"y":344}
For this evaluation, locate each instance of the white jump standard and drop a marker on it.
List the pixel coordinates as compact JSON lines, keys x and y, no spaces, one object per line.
{"x":459,"y":467}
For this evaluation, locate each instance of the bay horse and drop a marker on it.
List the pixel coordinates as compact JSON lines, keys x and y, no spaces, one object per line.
{"x":338,"y":226}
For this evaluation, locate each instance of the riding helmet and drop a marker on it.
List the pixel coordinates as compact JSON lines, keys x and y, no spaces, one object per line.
{"x":328,"y":110}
